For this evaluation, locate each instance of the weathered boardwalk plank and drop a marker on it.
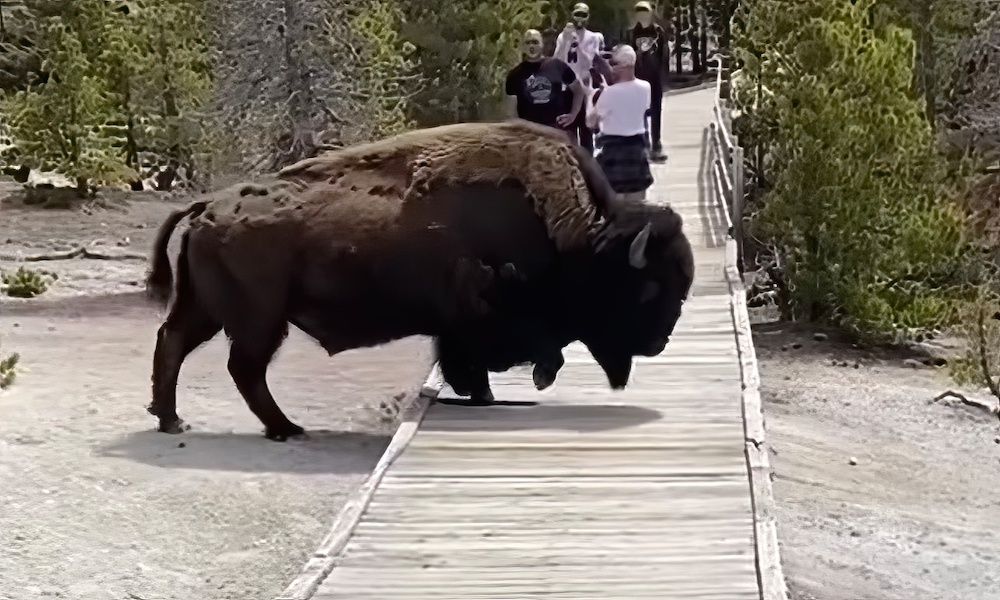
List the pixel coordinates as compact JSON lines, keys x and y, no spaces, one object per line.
{"x":580,"y":492}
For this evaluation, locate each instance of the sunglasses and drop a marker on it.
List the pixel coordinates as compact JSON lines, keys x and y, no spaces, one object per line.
{"x":581,"y":15}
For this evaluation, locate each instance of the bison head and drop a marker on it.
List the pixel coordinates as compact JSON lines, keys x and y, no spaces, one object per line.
{"x":644,"y":270}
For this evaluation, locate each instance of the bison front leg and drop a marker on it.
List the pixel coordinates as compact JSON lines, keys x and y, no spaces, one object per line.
{"x":546,"y":369}
{"x":463,"y":375}
{"x":248,"y":361}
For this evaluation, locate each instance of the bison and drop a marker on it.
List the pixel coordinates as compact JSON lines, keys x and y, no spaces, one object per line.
{"x":502,"y":241}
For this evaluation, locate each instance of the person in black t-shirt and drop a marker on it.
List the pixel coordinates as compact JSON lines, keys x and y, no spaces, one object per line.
{"x":650,"y":43}
{"x":544,"y":88}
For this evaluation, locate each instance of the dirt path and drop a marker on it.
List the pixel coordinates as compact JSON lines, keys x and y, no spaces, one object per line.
{"x":95,"y":505}
{"x":917,"y":517}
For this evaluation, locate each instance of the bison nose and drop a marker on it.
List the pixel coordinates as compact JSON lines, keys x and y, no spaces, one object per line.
{"x":656,"y":346}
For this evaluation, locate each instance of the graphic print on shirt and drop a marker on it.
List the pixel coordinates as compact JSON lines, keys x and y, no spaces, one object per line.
{"x":538,"y":88}
{"x":646,"y":44}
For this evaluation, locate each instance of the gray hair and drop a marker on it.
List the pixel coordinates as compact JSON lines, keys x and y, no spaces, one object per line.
{"x":624,"y":55}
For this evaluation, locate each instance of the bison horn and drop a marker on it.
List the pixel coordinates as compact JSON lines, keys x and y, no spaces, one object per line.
{"x":637,"y":251}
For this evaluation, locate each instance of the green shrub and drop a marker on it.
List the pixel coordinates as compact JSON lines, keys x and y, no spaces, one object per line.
{"x":859,"y":204}
{"x":27,"y":283}
{"x":8,"y":370}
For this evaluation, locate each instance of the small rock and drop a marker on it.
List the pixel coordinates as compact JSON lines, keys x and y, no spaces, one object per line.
{"x":996,"y":440}
{"x":16,"y":325}
{"x":52,"y":327}
{"x":853,"y":461}
{"x":796,"y":346}
{"x":857,"y":365}
{"x":913,"y":363}
{"x":140,"y":226}
{"x":182,"y":445}
{"x":784,"y":348}
{"x":820,"y":337}
{"x":855,"y":533}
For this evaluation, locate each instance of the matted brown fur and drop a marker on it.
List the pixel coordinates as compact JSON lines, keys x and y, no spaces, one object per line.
{"x":405,"y":166}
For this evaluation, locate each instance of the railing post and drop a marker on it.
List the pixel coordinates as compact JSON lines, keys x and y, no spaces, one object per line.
{"x":737,"y":216}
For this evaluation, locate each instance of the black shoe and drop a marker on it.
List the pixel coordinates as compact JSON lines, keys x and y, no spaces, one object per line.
{"x":657,"y":155}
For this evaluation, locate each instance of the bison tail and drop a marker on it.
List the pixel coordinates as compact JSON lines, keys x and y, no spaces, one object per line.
{"x":160,"y":280}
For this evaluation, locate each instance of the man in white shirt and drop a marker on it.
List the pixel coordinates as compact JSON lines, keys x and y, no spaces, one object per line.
{"x":620,"y":112}
{"x":577,"y":46}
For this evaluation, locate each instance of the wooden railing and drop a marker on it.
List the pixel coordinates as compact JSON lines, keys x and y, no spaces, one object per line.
{"x":726,"y":156}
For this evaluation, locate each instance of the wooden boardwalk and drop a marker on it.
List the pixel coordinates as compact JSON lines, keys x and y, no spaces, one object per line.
{"x":579,"y":492}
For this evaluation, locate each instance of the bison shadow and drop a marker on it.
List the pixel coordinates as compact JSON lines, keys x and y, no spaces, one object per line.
{"x":323,"y":452}
{"x":581,"y":418}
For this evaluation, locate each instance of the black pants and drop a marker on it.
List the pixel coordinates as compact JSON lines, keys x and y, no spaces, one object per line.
{"x":579,"y":132}
{"x":655,"y":112}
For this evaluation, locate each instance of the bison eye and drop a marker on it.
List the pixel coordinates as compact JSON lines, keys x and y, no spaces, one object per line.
{"x":650,"y":290}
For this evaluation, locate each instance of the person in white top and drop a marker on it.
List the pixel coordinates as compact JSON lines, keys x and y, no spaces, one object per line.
{"x":620,"y":112}
{"x":578,"y":47}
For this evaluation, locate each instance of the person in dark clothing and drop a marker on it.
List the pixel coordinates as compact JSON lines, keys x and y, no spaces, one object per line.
{"x":650,"y":43}
{"x":544,"y":88}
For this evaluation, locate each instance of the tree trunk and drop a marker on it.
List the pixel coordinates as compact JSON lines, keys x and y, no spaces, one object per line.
{"x":703,"y":41}
{"x":692,"y":35}
{"x":678,"y":36}
{"x":727,"y":33}
{"x":301,"y":135}
{"x":82,"y":189}
{"x":928,"y":60}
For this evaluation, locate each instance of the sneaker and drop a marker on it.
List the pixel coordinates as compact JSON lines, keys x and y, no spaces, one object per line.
{"x":657,"y":155}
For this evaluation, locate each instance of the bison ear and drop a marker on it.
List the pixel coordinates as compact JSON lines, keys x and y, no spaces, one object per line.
{"x":637,"y":251}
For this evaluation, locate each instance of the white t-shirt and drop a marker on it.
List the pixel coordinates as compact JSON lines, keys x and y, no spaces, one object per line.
{"x":621,"y":108}
{"x":580,"y":57}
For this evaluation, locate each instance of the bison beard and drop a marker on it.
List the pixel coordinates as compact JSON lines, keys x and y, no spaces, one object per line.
{"x":502,"y":241}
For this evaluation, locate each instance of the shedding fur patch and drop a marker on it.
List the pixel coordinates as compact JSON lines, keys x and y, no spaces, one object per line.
{"x":541,"y":159}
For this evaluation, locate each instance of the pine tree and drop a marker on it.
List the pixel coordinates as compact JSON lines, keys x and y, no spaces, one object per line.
{"x":171,"y":82}
{"x":61,"y":124}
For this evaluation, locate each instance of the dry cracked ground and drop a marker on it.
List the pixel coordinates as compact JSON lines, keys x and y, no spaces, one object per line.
{"x":883,"y":494}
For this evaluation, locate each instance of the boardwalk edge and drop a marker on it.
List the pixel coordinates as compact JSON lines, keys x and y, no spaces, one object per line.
{"x":770,"y":575}
{"x":324,"y":559}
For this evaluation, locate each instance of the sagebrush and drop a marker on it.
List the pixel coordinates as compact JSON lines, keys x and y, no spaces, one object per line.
{"x":27,"y":283}
{"x":8,"y":369}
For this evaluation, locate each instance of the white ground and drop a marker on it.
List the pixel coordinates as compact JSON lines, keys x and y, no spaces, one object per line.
{"x":95,"y":505}
{"x":918,"y":516}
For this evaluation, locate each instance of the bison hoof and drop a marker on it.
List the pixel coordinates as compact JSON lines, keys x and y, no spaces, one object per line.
{"x":543,"y":377}
{"x":482,"y":399}
{"x":284,"y":433}
{"x":173,"y":426}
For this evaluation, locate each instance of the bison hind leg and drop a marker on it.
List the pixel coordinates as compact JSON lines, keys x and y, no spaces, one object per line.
{"x":186,"y":327}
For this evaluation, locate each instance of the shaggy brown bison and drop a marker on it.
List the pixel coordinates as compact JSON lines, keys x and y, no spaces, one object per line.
{"x":502,"y":241}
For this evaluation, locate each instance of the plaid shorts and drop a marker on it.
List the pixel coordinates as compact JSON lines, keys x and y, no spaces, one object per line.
{"x":625,"y":162}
